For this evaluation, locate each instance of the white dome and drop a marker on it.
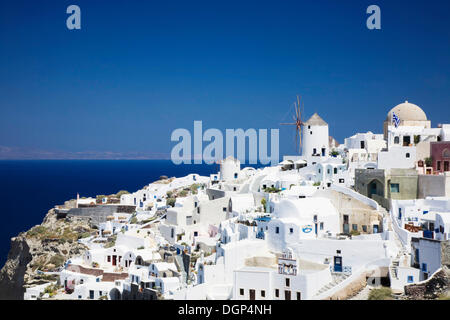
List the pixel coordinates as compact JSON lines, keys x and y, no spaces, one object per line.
{"x":287,"y":209}
{"x":407,"y":112}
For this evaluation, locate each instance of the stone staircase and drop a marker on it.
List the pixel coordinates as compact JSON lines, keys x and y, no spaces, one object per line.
{"x":337,"y":278}
{"x":402,"y":253}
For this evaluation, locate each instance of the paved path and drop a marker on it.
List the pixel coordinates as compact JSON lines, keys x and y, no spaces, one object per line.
{"x":363,"y":294}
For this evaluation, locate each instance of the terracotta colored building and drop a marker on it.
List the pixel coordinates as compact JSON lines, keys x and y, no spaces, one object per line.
{"x":440,"y":154}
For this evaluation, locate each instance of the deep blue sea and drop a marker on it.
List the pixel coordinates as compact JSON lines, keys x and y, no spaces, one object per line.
{"x":29,"y":188}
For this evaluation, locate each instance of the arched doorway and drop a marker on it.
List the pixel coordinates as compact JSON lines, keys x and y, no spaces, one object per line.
{"x":375,"y":187}
{"x":115,"y":294}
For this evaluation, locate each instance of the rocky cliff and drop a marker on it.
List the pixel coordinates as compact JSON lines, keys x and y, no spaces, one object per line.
{"x":42,"y":249}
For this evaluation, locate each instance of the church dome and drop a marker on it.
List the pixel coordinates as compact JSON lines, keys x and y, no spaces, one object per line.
{"x":407,"y":112}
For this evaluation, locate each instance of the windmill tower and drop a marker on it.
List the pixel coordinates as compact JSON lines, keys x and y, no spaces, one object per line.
{"x":315,"y":139}
{"x":298,"y":125}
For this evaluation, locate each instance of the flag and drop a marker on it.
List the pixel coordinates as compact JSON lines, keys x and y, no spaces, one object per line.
{"x":395,"y":119}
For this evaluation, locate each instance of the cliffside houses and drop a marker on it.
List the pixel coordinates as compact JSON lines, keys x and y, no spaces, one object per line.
{"x":376,"y":207}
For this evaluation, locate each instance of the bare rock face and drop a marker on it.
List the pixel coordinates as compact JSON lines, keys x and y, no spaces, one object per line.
{"x":44,"y":247}
{"x":12,"y":274}
{"x":433,"y":288}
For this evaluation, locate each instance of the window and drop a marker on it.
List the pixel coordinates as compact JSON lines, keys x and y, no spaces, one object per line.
{"x":341,"y":180}
{"x":277,"y":229}
{"x":109,"y":258}
{"x":241,"y":292}
{"x":424,"y":267}
{"x":277,"y":293}
{"x":198,"y":210}
{"x":407,"y":155}
{"x":410,"y":279}
{"x":321,"y":226}
{"x":335,"y":171}
{"x":288,"y":282}
{"x":314,"y":151}
{"x":396,"y":140}
{"x":263,"y":293}
{"x":235,"y":175}
{"x":291,"y":230}
{"x":438,"y":165}
{"x":355,"y":227}
{"x":172,"y":231}
{"x":224,"y":209}
{"x":362,"y":144}
{"x":395,"y":188}
{"x":446,"y":153}
{"x":299,"y":295}
{"x":364,"y":228}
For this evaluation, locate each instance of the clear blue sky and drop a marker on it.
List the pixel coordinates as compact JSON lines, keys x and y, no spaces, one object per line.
{"x":139,"y":69}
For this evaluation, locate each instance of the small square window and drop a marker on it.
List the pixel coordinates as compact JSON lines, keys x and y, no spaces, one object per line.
{"x":291,"y":230}
{"x":355,"y":227}
{"x":288,"y":282}
{"x":364,"y":228}
{"x":410,"y":279}
{"x":277,"y":229}
{"x":277,"y":293}
{"x":395,"y":188}
{"x":241,"y":292}
{"x":263,"y":293}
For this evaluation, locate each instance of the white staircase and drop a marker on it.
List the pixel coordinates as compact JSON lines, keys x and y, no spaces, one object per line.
{"x":337,"y":278}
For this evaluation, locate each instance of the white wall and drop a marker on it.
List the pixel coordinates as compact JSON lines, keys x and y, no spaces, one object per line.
{"x":396,"y":157}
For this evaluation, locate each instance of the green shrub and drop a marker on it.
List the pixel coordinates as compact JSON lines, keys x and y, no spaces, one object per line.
{"x":383,"y":293}
{"x":121,"y":192}
{"x":444,"y":296}
{"x":355,"y":233}
{"x":416,"y":139}
{"x":171,"y":202}
{"x":58,"y":260}
{"x":264,"y":203}
{"x":334,"y":153}
{"x":36,"y":231}
{"x":133,"y":220}
{"x":183,"y":193}
{"x":84,"y":235}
